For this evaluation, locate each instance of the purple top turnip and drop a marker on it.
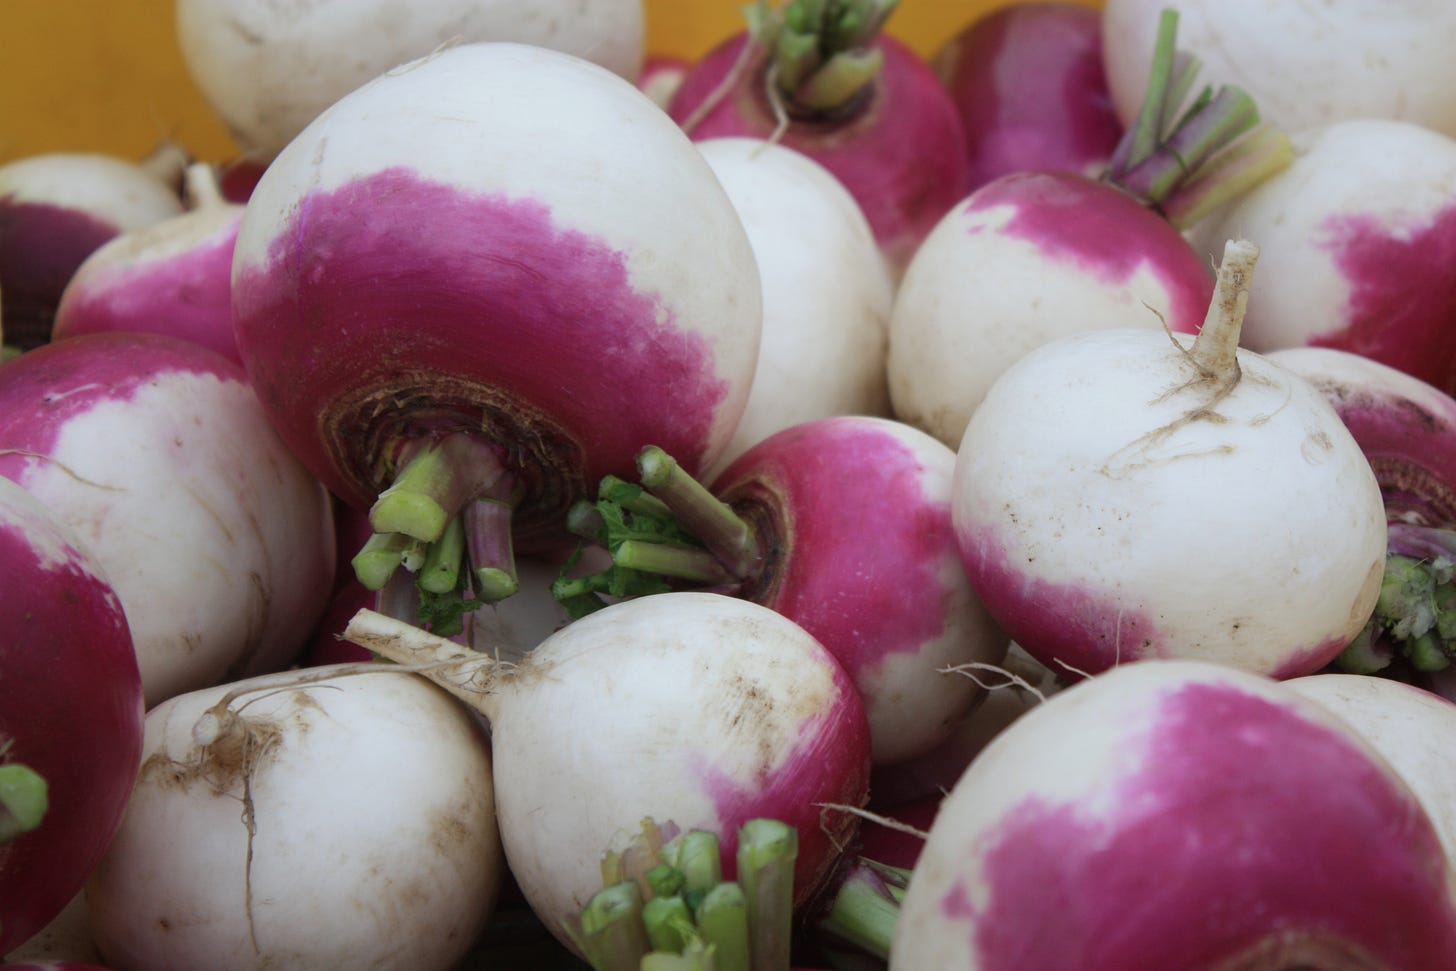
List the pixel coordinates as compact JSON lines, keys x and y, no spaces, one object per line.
{"x":495,"y":302}
{"x":70,"y":724}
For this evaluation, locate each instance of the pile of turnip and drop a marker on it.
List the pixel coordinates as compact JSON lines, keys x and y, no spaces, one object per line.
{"x":831,"y":499}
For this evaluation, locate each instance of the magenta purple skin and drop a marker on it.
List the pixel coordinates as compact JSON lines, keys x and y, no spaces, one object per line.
{"x":187,"y":295}
{"x":1076,"y":628}
{"x":902,"y":157}
{"x":1246,"y":822}
{"x":1102,"y":231}
{"x":41,"y":245}
{"x":1402,"y":307}
{"x":830,"y":763}
{"x":393,"y":278}
{"x":863,"y":549}
{"x":72,"y":712}
{"x":1032,"y":94}
{"x":48,"y":387}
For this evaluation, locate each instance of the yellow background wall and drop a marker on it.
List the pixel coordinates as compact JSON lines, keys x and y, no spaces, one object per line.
{"x":106,"y":75}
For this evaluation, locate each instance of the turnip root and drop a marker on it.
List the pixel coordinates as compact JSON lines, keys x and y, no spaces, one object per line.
{"x":71,"y":720}
{"x":338,"y":817}
{"x":1129,"y":494}
{"x":269,"y":69}
{"x":1357,"y":238}
{"x":690,"y":709}
{"x":156,"y":452}
{"x":1179,"y":814}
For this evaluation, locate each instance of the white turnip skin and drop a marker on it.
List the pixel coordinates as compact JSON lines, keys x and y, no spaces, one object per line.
{"x":270,"y":69}
{"x":826,"y":290}
{"x":1028,"y":81}
{"x":55,"y":210}
{"x":660,"y":76}
{"x":172,"y":277}
{"x":1054,"y":254}
{"x":1305,"y":64}
{"x":1129,"y":494}
{"x":155,"y":451}
{"x":687,"y":708}
{"x":1357,"y":238}
{"x":329,"y":818}
{"x":585,"y":286}
{"x":1179,"y":814}
{"x":1411,"y":727}
{"x":896,"y":144}
{"x":72,"y":712}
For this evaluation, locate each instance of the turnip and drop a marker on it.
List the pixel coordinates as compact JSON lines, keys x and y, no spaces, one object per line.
{"x":826,"y":290}
{"x":660,"y":76}
{"x":1057,"y":253}
{"x":1179,"y":814}
{"x":1407,"y":430}
{"x":824,"y":79}
{"x":337,"y":817}
{"x":1411,"y":727}
{"x":1127,"y":494}
{"x":55,"y":210}
{"x":172,"y":277}
{"x":156,"y":452}
{"x":268,"y":70}
{"x":1028,"y":81}
{"x":693,"y":709}
{"x":1357,"y":236}
{"x":70,"y":725}
{"x":485,"y":307}
{"x":1306,"y":64}
{"x":842,"y":525}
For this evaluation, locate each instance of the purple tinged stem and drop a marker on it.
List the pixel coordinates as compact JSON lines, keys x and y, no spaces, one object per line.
{"x":726,"y":534}
{"x":487,"y":528}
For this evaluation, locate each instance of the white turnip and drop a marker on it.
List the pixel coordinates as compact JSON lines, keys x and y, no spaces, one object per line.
{"x":1357,"y":238}
{"x":483,"y":308}
{"x":690,"y":709}
{"x":269,"y":69}
{"x":1179,"y":814}
{"x":1127,"y":494}
{"x":70,"y":724}
{"x":329,"y":818}
{"x":156,"y":452}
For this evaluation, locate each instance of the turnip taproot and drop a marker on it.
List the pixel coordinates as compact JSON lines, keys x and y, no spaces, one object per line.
{"x":156,"y":452}
{"x":267,"y":69}
{"x":487,"y":306}
{"x":1179,"y":814}
{"x":825,"y":79}
{"x":1128,"y":494}
{"x":694,"y":709}
{"x":70,"y":724}
{"x":326,"y":818}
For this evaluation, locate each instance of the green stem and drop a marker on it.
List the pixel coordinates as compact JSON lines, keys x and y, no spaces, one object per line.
{"x":612,"y":935}
{"x":441,"y":570}
{"x":1146,"y":131}
{"x":730,"y":538}
{"x":698,"y":856}
{"x":866,"y":908}
{"x":24,"y":799}
{"x":697,"y":956}
{"x":722,"y":918}
{"x":436,"y":480}
{"x":381,"y":555}
{"x":672,"y":560}
{"x":1227,"y":115}
{"x":767,"y":849}
{"x":1228,"y":175}
{"x":669,"y":923}
{"x":821,"y":51}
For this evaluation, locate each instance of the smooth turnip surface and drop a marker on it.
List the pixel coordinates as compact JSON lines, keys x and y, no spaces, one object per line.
{"x":55,"y":210}
{"x":72,"y":711}
{"x":1305,"y":64}
{"x":854,"y":521}
{"x":298,"y":59}
{"x":157,"y":454}
{"x":1024,"y":260}
{"x":1176,"y":814}
{"x":826,"y":290}
{"x":693,"y":709}
{"x":172,"y":277}
{"x":1029,"y":84}
{"x":348,"y":821}
{"x":1357,"y":236}
{"x":897,"y":148}
{"x":584,"y":287}
{"x":1123,"y":494}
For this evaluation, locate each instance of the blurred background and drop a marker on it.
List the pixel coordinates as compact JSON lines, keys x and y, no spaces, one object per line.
{"x":106,"y":75}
